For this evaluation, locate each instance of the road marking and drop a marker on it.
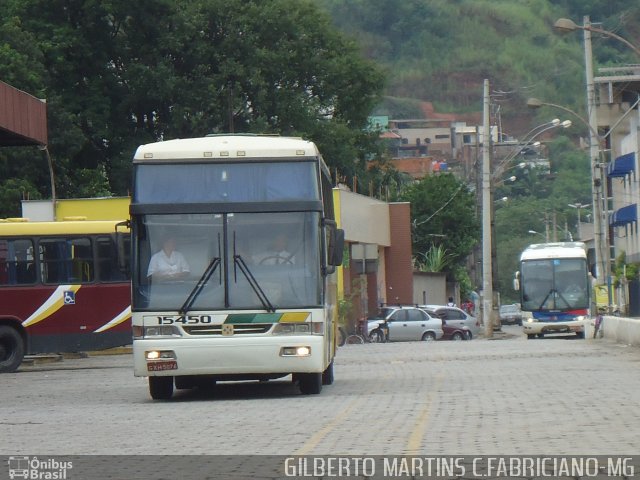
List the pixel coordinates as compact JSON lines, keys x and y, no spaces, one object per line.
{"x":417,"y":434}
{"x":317,"y":437}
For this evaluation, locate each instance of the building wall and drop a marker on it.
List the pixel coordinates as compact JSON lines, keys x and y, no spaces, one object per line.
{"x":399,"y":269}
{"x":430,"y":288}
{"x":107,"y":208}
{"x":625,"y":191}
{"x":364,"y":219}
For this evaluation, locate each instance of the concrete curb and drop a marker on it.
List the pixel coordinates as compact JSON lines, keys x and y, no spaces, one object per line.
{"x":40,"y":359}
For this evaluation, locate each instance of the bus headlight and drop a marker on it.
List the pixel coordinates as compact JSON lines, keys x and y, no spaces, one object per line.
{"x":306,"y":328}
{"x":302,"y":351}
{"x":160,"y":355}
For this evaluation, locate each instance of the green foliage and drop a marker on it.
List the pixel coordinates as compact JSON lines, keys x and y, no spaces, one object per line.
{"x":623,"y":270}
{"x":434,"y":260}
{"x":443,"y":213}
{"x":119,"y":74}
{"x":12,"y":192}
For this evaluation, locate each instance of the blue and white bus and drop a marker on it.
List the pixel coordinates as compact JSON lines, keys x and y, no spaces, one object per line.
{"x":252,"y":217}
{"x":555,"y":289}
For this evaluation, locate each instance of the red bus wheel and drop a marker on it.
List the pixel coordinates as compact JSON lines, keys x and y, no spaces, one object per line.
{"x":11,"y":349}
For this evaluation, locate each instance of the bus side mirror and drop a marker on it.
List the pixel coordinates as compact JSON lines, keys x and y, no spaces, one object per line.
{"x":336,"y":247}
{"x":516,"y":281}
{"x":123,"y":247}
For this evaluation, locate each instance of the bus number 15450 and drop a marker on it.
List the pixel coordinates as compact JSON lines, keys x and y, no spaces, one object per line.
{"x":184,"y":319}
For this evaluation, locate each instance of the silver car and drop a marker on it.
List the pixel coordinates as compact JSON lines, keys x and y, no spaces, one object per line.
{"x":454,"y":316}
{"x":407,"y":324}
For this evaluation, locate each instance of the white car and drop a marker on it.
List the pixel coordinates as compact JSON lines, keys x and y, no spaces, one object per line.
{"x":407,"y":324}
{"x":454,"y":316}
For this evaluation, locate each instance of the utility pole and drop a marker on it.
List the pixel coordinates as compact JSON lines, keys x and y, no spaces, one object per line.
{"x":487,"y":274}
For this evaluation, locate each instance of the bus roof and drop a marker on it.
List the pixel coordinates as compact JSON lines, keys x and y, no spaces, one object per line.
{"x":227,"y":146}
{"x":26,"y":228}
{"x":554,"y":250}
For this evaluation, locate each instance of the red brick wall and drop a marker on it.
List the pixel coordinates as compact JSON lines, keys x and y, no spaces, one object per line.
{"x":398,"y":256}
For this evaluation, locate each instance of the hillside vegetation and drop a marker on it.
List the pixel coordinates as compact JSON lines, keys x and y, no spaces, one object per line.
{"x":441,"y":50}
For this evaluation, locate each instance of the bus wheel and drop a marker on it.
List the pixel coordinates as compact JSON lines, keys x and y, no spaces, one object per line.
{"x":11,"y":349}
{"x":531,"y":336}
{"x":310,"y":383}
{"x":161,"y":388}
{"x":327,"y":375}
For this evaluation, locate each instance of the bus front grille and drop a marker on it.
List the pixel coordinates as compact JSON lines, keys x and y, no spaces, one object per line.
{"x":228,"y":329}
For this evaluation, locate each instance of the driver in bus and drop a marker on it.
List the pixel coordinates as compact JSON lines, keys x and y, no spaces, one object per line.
{"x":277,"y":252}
{"x":168,"y":263}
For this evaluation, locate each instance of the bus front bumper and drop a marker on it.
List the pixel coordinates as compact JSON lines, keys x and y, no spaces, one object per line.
{"x":241,"y":357}
{"x":571,"y":326}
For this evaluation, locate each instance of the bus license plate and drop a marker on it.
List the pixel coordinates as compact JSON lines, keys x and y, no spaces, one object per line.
{"x":162,"y":366}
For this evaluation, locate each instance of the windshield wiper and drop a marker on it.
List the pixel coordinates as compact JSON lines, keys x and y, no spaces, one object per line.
{"x":206,"y":275}
{"x":239,"y":262}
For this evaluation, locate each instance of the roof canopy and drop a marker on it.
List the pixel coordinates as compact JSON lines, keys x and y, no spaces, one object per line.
{"x":23,"y":118}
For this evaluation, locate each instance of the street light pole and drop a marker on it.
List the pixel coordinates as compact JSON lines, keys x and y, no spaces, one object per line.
{"x":579,"y":207}
{"x":599,"y":210}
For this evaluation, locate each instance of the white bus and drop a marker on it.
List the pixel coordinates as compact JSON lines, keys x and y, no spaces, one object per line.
{"x":252,"y":217}
{"x":555,"y":287}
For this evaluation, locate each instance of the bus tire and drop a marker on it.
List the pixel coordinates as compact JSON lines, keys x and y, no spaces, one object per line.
{"x":310,"y":383}
{"x":327,"y":375}
{"x":161,"y":388}
{"x":11,"y":349}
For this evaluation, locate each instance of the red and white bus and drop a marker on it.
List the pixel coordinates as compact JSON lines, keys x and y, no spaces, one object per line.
{"x":62,"y":288}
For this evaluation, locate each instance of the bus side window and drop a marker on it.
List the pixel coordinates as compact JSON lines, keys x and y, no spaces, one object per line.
{"x":25,"y":268}
{"x":81,"y":259}
{"x":108,"y":270}
{"x":52,"y":257}
{"x":4,"y":266}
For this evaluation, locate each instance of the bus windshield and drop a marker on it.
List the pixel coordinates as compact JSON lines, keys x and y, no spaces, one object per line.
{"x":226,"y":182}
{"x":554,"y":284}
{"x":228,"y":261}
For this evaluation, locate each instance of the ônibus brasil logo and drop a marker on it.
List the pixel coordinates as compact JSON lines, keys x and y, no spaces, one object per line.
{"x":33,"y":468}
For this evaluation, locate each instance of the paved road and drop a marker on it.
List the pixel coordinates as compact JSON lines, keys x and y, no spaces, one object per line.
{"x":508,"y":396}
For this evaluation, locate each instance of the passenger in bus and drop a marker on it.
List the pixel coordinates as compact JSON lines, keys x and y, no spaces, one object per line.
{"x":168,"y":263}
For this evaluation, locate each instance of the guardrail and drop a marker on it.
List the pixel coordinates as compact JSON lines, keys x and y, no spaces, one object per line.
{"x":618,"y":329}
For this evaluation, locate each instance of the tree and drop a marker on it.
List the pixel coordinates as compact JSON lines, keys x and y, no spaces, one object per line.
{"x":118,"y":74}
{"x":443,"y":213}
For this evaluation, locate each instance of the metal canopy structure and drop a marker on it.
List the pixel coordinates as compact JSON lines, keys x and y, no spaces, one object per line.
{"x":23,"y":118}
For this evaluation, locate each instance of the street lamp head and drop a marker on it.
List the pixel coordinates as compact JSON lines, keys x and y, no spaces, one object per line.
{"x":566,"y":124}
{"x":555,"y":122}
{"x":565,"y":25}
{"x":534,"y":103}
